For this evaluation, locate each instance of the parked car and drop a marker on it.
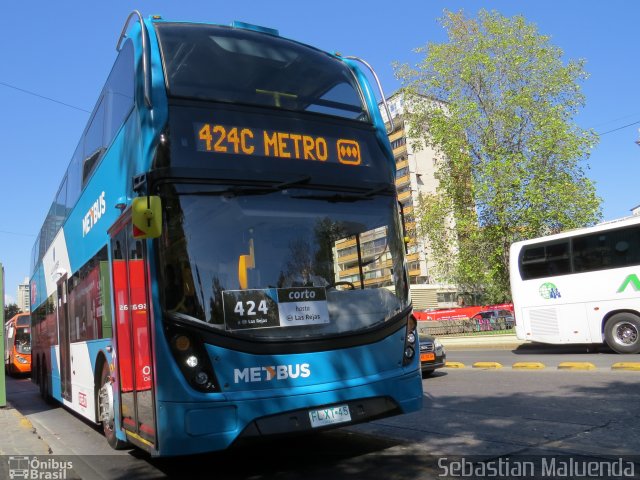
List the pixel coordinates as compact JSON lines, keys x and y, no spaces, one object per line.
{"x":497,"y":319}
{"x":432,"y":354}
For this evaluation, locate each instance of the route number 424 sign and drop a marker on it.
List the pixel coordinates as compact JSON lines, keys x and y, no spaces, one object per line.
{"x":274,"y":307}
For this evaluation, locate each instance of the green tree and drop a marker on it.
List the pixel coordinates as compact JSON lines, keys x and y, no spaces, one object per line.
{"x":10,"y":311}
{"x":496,"y":102}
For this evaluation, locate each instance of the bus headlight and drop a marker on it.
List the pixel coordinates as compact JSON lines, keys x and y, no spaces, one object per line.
{"x":201,"y":378}
{"x":192,"y":359}
{"x":410,"y":341}
{"x":21,"y":359}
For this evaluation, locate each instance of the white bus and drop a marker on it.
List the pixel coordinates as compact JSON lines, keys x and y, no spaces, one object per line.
{"x":580,"y":286}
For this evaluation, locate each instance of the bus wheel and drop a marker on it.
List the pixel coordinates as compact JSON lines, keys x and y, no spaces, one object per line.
{"x":107,"y":411}
{"x":622,"y":333}
{"x":44,"y":384}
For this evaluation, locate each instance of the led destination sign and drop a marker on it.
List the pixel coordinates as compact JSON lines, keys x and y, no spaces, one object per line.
{"x":280,"y":144}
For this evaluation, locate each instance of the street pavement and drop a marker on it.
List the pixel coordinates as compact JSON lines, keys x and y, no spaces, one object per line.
{"x":19,"y":437}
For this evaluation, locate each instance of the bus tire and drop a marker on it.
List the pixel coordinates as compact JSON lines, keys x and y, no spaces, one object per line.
{"x":105,"y":402}
{"x":622,"y":333}
{"x":44,"y":385}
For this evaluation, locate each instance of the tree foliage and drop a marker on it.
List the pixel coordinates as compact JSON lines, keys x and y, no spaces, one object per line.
{"x":499,"y":111}
{"x":10,"y":311}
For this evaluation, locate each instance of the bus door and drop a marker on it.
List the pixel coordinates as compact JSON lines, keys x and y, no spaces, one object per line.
{"x":133,"y":335}
{"x":64,"y":341}
{"x":8,"y":342}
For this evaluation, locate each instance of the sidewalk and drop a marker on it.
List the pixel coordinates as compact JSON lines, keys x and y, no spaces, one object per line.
{"x":18,"y":436}
{"x":493,"y":342}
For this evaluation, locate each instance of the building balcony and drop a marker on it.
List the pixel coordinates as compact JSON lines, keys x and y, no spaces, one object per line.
{"x":414,"y":273}
{"x":403,"y":180}
{"x":401,"y":150}
{"x":404,"y":195}
{"x":401,"y":164}
{"x":413,"y":257}
{"x":396,"y":135}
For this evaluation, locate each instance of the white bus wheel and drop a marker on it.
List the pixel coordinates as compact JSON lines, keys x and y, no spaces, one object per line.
{"x":622,"y":333}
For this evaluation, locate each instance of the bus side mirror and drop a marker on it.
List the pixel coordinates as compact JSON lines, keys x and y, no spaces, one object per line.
{"x":146,"y":216}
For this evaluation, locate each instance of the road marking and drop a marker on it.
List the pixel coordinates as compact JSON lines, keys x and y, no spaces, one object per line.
{"x":487,"y":365}
{"x":576,"y":366}
{"x":528,"y":366}
{"x":454,"y":365}
{"x":635,"y":366}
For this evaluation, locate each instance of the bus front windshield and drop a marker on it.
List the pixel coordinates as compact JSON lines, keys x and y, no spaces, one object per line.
{"x":285,"y":264}
{"x":23,"y":340}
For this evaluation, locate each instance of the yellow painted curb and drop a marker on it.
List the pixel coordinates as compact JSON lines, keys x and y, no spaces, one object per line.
{"x":626,"y":366}
{"x":487,"y":365}
{"x":528,"y":365}
{"x":576,"y":366}
{"x":454,"y":365}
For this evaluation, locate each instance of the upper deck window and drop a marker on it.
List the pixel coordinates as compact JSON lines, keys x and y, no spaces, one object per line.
{"x":240,"y":66}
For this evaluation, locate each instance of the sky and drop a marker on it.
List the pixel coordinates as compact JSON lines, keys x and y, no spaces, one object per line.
{"x":62,"y":52}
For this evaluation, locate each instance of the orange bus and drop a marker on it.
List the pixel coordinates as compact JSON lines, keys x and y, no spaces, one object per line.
{"x":17,"y":344}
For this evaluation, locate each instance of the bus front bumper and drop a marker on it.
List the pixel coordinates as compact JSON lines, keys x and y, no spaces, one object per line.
{"x":188,"y":428}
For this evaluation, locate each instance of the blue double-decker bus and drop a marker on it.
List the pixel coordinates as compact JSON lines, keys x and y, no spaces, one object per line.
{"x":224,"y":258}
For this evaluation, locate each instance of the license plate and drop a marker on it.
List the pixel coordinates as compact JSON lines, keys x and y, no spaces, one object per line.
{"x":427,"y":357}
{"x":329,"y":416}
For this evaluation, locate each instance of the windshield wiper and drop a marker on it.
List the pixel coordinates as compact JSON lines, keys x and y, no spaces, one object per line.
{"x":252,"y":188}
{"x":349,"y":197}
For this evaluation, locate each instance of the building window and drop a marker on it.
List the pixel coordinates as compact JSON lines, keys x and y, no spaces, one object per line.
{"x":398,"y":142}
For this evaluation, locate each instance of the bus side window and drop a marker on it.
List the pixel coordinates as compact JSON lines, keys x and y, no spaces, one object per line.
{"x":93,"y":142}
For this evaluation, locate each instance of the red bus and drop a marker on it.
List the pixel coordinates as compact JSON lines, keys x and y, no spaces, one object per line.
{"x":17,"y":344}
{"x":459,"y":313}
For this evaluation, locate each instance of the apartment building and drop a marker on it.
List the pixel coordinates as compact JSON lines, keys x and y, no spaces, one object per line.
{"x":415,"y":175}
{"x":23,"y":299}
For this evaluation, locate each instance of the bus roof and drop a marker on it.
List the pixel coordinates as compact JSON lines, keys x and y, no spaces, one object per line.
{"x":604,"y":226}
{"x":21,"y":319}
